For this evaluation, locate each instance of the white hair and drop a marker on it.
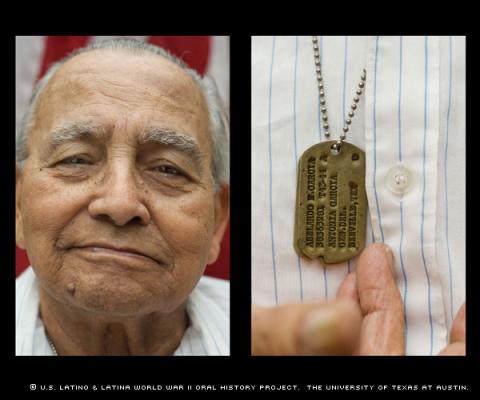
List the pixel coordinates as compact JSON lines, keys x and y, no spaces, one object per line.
{"x":219,"y":123}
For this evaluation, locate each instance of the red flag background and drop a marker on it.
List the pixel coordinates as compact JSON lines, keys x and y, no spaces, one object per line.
{"x":207,"y":54}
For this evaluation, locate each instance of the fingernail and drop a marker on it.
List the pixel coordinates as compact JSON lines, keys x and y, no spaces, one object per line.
{"x":389,"y":254}
{"x":318,"y":332}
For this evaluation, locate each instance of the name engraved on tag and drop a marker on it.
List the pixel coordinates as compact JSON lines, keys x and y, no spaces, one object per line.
{"x":331,"y":204}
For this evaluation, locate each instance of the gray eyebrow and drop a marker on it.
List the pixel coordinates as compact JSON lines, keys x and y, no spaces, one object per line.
{"x":183,"y":142}
{"x":177,"y":140}
{"x":73,"y":131}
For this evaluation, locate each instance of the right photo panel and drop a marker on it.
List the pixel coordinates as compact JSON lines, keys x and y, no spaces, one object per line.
{"x":358,"y":195}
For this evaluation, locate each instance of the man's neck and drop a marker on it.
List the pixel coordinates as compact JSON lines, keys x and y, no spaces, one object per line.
{"x":77,"y":332}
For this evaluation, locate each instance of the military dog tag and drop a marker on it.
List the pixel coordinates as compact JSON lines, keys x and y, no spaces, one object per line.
{"x":331,"y":205}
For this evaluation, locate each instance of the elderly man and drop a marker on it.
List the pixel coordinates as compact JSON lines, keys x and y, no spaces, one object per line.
{"x":121,"y":202}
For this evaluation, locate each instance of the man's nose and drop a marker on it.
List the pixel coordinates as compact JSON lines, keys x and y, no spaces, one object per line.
{"x":118,"y":199}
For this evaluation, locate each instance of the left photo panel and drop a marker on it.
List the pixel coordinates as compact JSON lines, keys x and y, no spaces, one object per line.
{"x":122,"y":195}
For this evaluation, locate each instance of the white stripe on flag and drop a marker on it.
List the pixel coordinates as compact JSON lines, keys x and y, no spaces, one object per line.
{"x":219,"y":66}
{"x":29,"y":48}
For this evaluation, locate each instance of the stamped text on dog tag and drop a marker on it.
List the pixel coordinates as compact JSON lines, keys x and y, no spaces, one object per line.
{"x":331,"y":204}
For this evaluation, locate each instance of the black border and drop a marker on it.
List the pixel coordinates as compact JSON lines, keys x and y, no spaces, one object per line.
{"x":239,"y":368}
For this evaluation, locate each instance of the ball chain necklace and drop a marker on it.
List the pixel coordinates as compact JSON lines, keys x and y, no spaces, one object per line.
{"x":50,"y":342}
{"x":331,"y":203}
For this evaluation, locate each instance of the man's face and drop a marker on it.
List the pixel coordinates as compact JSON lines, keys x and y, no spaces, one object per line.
{"x":117,"y":198}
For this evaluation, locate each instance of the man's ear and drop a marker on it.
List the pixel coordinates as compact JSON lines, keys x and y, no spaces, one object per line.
{"x":222,"y":215}
{"x":18,"y":215}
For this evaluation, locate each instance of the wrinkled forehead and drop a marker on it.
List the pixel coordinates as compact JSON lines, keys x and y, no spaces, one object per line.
{"x":133,"y":83}
{"x":144,"y":71}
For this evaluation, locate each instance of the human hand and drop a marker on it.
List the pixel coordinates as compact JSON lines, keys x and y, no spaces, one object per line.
{"x":456,"y":346}
{"x":367,"y":317}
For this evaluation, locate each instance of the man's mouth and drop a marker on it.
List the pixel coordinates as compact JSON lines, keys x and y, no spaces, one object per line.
{"x":106,"y":250}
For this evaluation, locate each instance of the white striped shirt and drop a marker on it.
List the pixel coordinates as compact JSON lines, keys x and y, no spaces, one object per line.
{"x":412,"y":115}
{"x":208,"y":309}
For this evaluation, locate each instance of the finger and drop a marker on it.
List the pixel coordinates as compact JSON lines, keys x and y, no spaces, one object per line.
{"x":332,"y":330}
{"x":454,"y":349}
{"x":457,"y":331}
{"x":381,"y":303}
{"x":299,"y":329}
{"x":348,"y":288}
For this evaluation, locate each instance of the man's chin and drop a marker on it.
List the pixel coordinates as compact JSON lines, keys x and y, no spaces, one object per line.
{"x":115,"y":295}
{"x":121,"y":305}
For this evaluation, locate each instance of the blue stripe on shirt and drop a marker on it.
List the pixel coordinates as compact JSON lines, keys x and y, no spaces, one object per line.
{"x":299,"y":265}
{"x":274,"y":267}
{"x":400,"y":103}
{"x":423,"y":195}
{"x":405,"y":285}
{"x":375,"y":140}
{"x":445,"y":172}
{"x":405,"y":282}
{"x":344,"y":98}
{"x":325,"y":279}
{"x":318,"y":97}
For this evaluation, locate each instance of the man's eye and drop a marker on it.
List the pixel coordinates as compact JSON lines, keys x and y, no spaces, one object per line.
{"x":167,"y":169}
{"x":75,"y":160}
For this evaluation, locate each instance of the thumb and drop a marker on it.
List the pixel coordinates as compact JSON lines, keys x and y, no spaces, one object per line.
{"x":457,"y":346}
{"x":381,"y":303}
{"x":457,"y":332}
{"x":301,"y":329}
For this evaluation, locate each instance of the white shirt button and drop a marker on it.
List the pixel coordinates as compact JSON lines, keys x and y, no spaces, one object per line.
{"x":400,"y":180}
